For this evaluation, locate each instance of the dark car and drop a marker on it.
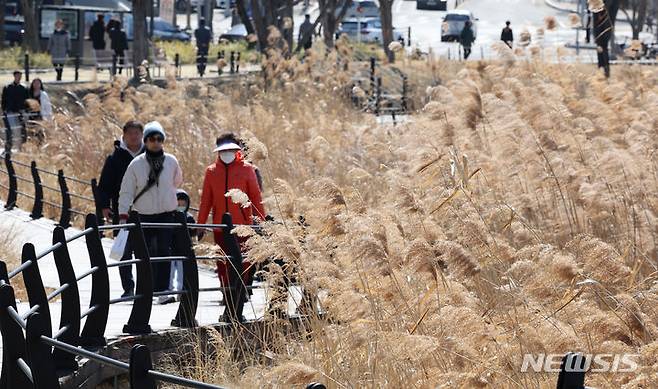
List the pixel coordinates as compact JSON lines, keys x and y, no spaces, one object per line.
{"x":14,"y":30}
{"x":235,"y":33}
{"x":165,"y":31}
{"x":435,"y":5}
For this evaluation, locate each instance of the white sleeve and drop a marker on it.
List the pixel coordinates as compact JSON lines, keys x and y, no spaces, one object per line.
{"x":128,"y":188}
{"x":46,"y":108}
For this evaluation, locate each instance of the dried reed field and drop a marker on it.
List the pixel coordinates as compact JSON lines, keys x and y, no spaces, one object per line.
{"x":515,"y":212}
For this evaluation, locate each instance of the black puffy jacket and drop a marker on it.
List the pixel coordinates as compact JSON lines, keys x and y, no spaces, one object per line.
{"x":110,"y":182}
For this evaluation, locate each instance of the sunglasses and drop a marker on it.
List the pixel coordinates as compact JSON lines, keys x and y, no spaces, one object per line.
{"x":158,"y":139}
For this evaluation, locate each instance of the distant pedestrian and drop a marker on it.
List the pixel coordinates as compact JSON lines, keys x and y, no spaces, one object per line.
{"x":38,"y":93}
{"x":229,"y":172}
{"x":203,"y":37}
{"x":14,"y":96}
{"x":109,"y":186}
{"x":650,"y":24}
{"x":97,"y":33}
{"x":59,"y":47}
{"x":507,"y":35}
{"x":149,"y":188}
{"x":602,"y":34}
{"x":305,"y":38}
{"x":119,"y":43}
{"x":466,"y":38}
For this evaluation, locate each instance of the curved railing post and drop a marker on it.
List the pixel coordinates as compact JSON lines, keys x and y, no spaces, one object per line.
{"x":138,"y":323}
{"x":34,"y":285}
{"x":234,"y":297}
{"x":13,"y":342}
{"x":42,"y":362}
{"x":189,"y":301}
{"x":13,"y":184}
{"x":93,"y":333}
{"x":65,"y":218}
{"x":140,"y":364}
{"x":70,"y":315}
{"x":37,"y":208}
{"x":100,"y":220}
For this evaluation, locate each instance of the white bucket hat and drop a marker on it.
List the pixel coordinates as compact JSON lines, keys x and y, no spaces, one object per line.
{"x":227,"y":146}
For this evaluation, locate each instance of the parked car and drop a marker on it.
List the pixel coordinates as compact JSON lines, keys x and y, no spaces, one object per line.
{"x":225,"y":4}
{"x":14,"y":30}
{"x":436,"y":5}
{"x":235,"y":33}
{"x":371,"y":30}
{"x":165,"y":31}
{"x":361,"y":8}
{"x":453,"y":24}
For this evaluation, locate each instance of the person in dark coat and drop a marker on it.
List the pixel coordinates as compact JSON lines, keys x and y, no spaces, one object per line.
{"x":588,"y":27}
{"x":203,"y":36}
{"x":119,"y":43}
{"x":115,"y":166}
{"x":602,"y":34}
{"x":306,"y":30}
{"x":507,"y":35}
{"x":14,"y":95}
{"x":176,"y":275}
{"x":97,"y":33}
{"x":466,"y":38}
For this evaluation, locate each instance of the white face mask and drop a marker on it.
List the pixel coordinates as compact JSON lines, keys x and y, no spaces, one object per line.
{"x":227,"y":156}
{"x":180,"y":209}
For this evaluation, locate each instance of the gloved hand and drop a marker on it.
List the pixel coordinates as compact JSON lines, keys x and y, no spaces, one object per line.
{"x":107,"y":214}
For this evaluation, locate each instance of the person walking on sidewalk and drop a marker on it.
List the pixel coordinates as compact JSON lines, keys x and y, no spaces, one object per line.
{"x":59,"y":47}
{"x":149,"y":188}
{"x":305,"y":38}
{"x":176,"y":275}
{"x":602,"y":34}
{"x":38,"y":93}
{"x":97,"y":34}
{"x":229,"y":172}
{"x":466,"y":38}
{"x":109,"y":185}
{"x":203,"y":36}
{"x":119,"y":43}
{"x":507,"y":35}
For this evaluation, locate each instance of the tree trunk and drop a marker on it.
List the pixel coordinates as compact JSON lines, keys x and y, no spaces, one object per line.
{"x":3,"y":3}
{"x":385,"y":10}
{"x":291,"y":28}
{"x":31,"y":37}
{"x":329,"y":24}
{"x":188,"y":14}
{"x":260,"y":25}
{"x":641,"y":18}
{"x":140,"y":41}
{"x":242,"y":11}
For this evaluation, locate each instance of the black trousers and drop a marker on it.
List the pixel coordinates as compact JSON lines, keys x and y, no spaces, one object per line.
{"x":467,"y":51}
{"x":59,"y":68}
{"x":120,"y":59}
{"x":201,"y":59}
{"x":126,"y":271}
{"x":604,"y":61}
{"x":158,"y":243}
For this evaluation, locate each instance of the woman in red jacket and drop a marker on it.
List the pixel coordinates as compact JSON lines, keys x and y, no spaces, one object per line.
{"x":228,"y":172}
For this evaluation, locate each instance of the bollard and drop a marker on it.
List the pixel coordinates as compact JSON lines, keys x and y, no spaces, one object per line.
{"x":77,"y":67}
{"x":26,"y":64}
{"x":378,"y":95}
{"x":237,"y":63}
{"x":232,"y":60}
{"x":220,"y":55}
{"x":372,"y":75}
{"x":177,"y":64}
{"x":409,"y":37}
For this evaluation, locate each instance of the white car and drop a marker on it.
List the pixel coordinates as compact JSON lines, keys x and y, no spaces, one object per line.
{"x":371,"y":30}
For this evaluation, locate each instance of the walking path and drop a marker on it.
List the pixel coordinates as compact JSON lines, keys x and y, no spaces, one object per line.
{"x":39,"y":233}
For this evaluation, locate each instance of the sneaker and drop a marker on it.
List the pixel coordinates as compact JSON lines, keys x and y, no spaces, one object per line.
{"x":162,"y":300}
{"x":128,"y":293}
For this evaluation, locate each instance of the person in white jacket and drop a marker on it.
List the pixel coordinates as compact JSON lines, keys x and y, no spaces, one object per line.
{"x":39,"y":94}
{"x":149,"y":187}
